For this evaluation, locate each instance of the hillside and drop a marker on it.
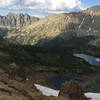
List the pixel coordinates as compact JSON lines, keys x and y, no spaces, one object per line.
{"x":60,"y":27}
{"x":12,"y":21}
{"x":34,"y":53}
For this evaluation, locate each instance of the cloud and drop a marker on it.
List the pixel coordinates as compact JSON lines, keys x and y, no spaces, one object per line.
{"x":4,"y":3}
{"x":45,"y":6}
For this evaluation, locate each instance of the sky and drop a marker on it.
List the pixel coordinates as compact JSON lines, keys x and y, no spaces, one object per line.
{"x":41,"y":8}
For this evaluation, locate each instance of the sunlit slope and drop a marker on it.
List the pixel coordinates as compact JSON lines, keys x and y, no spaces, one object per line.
{"x":64,"y":26}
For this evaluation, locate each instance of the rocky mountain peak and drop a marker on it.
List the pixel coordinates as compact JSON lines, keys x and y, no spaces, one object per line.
{"x":17,"y":20}
{"x":11,"y":14}
{"x":54,"y":29}
{"x":95,"y":10}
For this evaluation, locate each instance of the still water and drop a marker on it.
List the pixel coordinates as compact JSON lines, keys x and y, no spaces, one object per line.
{"x":90,"y":59}
{"x":57,"y":81}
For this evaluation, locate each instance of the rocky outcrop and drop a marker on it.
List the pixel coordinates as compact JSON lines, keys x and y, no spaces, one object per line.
{"x":17,"y":20}
{"x":72,"y":91}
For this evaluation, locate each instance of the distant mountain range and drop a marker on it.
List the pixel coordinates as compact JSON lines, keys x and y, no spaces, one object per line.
{"x":17,"y":20}
{"x":56,"y":29}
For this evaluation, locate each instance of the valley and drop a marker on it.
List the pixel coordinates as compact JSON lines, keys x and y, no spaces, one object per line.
{"x":34,"y":51}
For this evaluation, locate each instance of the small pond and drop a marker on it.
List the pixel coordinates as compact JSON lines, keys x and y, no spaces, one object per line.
{"x":58,"y":81}
{"x":90,"y":59}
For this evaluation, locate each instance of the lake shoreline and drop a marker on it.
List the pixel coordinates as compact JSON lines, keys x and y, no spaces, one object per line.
{"x":90,"y":82}
{"x":90,"y":59}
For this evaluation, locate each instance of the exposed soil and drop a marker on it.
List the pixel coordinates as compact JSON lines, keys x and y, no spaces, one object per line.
{"x":19,"y":89}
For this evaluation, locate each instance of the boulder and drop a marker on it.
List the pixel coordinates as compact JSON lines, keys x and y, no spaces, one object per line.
{"x":72,"y":91}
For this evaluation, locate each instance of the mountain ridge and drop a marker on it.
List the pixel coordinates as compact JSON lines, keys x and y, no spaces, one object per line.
{"x":63,"y":27}
{"x":17,"y":20}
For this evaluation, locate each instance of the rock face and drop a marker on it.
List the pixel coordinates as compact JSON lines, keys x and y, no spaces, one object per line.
{"x":14,"y":20}
{"x":72,"y":91}
{"x":60,"y":28}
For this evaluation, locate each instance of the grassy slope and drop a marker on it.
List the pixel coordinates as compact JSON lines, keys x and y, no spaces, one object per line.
{"x":47,"y":28}
{"x":61,"y":58}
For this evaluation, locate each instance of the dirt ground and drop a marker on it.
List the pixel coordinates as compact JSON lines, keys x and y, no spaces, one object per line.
{"x":19,"y":89}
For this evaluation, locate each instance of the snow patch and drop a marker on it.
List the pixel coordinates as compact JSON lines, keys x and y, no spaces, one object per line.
{"x":95,"y":31}
{"x":51,"y":92}
{"x":82,"y":22}
{"x":93,"y":21}
{"x":47,"y":91}
{"x":89,"y":29}
{"x":93,"y":96}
